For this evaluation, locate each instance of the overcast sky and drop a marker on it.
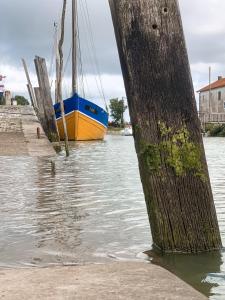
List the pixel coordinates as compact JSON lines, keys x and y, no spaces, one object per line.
{"x":26,"y":30}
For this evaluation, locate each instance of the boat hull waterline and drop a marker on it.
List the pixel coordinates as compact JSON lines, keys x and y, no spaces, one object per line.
{"x":85,"y":120}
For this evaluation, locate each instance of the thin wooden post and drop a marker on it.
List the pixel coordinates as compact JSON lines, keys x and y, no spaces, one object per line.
{"x":29,"y":85}
{"x":166,"y":127}
{"x":45,"y":100}
{"x":59,"y":83}
{"x":57,"y":63}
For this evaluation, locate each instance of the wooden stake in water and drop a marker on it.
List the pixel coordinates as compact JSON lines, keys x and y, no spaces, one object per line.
{"x":59,"y":83}
{"x":45,"y":100}
{"x":166,"y":127}
{"x":29,"y":85}
{"x":57,"y":63}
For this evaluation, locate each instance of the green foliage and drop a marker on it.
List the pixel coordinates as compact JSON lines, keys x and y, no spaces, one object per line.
{"x":117,"y":109}
{"x":176,"y":150}
{"x":21,"y":100}
{"x":218,"y":130}
{"x":2,"y":100}
{"x":209,"y":127}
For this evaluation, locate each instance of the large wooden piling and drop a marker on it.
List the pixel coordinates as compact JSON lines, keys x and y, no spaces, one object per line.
{"x":40,"y":105}
{"x":45,"y":100}
{"x":167,"y":131}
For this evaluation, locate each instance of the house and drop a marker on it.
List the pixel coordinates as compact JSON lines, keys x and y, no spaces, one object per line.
{"x":212,"y":102}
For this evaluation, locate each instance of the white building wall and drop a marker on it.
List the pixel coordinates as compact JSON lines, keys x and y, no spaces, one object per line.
{"x":216,"y":105}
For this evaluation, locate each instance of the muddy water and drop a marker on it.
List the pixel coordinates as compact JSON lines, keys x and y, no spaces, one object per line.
{"x":91,"y":209}
{"x":206,"y":272}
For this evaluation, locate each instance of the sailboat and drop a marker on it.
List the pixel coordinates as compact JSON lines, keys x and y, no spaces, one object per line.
{"x":85,"y":120}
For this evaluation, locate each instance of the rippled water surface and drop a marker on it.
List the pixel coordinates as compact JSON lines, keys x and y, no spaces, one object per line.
{"x":92,"y":209}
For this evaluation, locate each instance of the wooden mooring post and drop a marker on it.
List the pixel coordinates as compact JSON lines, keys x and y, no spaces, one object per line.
{"x":59,"y":78}
{"x":29,"y":85}
{"x":44,"y":100}
{"x":166,"y":127}
{"x":40,"y":106}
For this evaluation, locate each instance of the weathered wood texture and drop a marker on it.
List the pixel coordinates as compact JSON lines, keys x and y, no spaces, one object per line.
{"x":45,"y":100}
{"x":40,"y":105}
{"x":56,"y":64}
{"x":166,"y":128}
{"x":29,"y":85}
{"x":59,"y":83}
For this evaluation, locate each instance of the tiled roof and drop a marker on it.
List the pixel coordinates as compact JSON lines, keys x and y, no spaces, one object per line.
{"x":215,"y":85}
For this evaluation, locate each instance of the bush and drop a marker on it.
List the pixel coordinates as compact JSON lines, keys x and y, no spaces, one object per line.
{"x":218,"y":130}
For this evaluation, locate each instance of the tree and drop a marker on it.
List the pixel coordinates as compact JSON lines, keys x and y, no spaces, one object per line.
{"x":117,"y":108}
{"x":166,"y":127}
{"x":21,"y":100}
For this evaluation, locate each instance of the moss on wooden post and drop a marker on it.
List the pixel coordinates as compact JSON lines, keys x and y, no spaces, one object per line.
{"x":167,"y":131}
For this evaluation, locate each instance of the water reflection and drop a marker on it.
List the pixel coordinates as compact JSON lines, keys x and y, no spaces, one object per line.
{"x":201,"y":271}
{"x":57,"y":217}
{"x":92,"y":209}
{"x":206,"y":272}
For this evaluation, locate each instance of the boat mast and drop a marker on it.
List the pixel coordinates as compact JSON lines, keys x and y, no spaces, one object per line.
{"x":57,"y":60}
{"x":74,"y":46}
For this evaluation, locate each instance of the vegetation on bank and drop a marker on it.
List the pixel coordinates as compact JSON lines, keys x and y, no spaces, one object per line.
{"x":215,"y":130}
{"x":117,"y":110}
{"x":114,"y":128}
{"x":19,"y":99}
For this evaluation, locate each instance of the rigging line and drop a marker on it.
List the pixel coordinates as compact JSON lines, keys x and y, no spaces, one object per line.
{"x":80,"y":58}
{"x":81,"y":65}
{"x":50,"y":71}
{"x":91,"y":44}
{"x":95,"y":55}
{"x":99,"y":82}
{"x":87,"y":49}
{"x":90,"y":48}
{"x":84,"y":79}
{"x":67,"y":60}
{"x":54,"y":47}
{"x":65,"y":68}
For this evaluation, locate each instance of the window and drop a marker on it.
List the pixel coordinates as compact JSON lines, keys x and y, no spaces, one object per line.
{"x":58,"y":110}
{"x":91,"y":109}
{"x":219,"y":95}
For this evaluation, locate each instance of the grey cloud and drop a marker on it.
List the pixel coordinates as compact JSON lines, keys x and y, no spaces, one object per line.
{"x":208,"y":48}
{"x":26,"y":29}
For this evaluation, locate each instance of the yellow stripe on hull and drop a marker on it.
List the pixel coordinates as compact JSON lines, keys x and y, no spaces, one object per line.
{"x":81,"y":128}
